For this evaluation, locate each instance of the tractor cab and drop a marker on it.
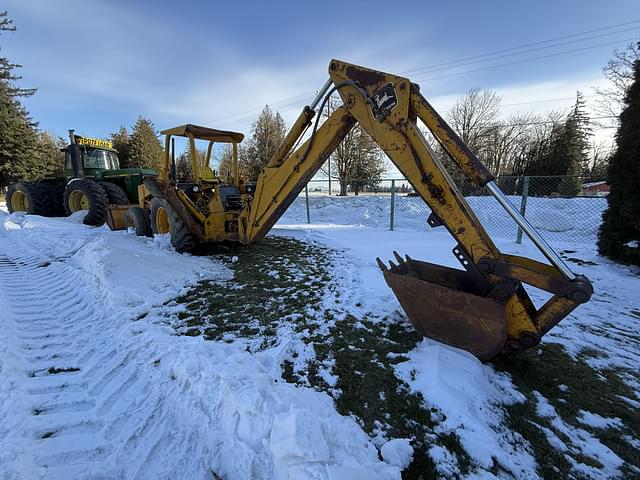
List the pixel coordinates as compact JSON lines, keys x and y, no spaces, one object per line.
{"x":89,"y":157}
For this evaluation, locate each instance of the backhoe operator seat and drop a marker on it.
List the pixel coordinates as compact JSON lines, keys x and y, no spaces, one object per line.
{"x":206,"y":174}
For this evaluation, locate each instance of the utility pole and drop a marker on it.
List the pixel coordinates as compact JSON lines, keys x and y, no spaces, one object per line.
{"x":329,"y":167}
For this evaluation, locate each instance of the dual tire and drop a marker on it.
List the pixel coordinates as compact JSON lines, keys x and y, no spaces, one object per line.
{"x":27,"y":197}
{"x":95,"y":197}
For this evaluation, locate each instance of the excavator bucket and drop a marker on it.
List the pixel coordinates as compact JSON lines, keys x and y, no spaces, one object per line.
{"x":448,"y":305}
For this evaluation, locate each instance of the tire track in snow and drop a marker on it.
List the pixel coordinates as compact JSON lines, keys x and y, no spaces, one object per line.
{"x":84,"y":399}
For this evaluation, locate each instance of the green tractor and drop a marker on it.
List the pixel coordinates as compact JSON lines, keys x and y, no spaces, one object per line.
{"x":93,"y":181}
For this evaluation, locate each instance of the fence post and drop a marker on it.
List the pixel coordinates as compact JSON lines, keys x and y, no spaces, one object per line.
{"x":393,"y":202}
{"x":306,"y":201}
{"x":523,"y":205}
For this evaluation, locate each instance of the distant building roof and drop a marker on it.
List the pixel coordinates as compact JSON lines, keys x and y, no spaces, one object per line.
{"x":594,"y":184}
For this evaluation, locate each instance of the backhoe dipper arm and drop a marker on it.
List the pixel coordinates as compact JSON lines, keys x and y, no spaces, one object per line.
{"x":286,"y":174}
{"x":483,"y":308}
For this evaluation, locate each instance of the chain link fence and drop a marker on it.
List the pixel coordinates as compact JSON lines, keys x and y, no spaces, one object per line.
{"x":562,"y":208}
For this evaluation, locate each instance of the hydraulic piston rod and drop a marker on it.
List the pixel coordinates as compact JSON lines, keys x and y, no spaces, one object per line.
{"x":531,"y":232}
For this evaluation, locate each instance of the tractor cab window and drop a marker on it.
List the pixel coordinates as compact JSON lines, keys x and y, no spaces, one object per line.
{"x":102,"y":159}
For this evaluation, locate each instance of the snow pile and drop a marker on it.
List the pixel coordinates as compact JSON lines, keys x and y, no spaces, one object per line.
{"x":398,"y":452}
{"x":469,"y":394}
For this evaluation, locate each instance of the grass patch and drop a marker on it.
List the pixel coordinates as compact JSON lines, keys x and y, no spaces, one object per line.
{"x":571,"y":386}
{"x":278,"y":281}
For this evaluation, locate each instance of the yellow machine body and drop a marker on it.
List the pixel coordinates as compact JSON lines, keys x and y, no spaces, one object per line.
{"x":482,"y":308}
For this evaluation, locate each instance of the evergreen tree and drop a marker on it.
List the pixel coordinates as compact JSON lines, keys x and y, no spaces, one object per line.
{"x":121,"y":142}
{"x":619,"y":236}
{"x":183,"y":163}
{"x":49,"y":155}
{"x":572,"y":149}
{"x":145,"y":150}
{"x":267,"y":133}
{"x":18,"y":138}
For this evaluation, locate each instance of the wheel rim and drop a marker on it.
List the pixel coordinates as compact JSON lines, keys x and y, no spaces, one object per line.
{"x":20,"y":201}
{"x":78,"y":201}
{"x":131,"y":223}
{"x":162,"y":220}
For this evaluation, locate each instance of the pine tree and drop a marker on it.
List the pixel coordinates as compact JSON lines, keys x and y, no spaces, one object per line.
{"x":49,"y":155}
{"x":183,"y":163}
{"x":17,"y":140}
{"x":17,"y":131}
{"x":145,"y":150}
{"x":573,"y":148}
{"x":121,"y":142}
{"x":619,"y":236}
{"x":267,"y":133}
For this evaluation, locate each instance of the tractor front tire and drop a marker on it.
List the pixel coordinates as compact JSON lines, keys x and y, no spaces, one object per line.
{"x":116,"y":195}
{"x":27,"y":197}
{"x":88,"y":195}
{"x":164,"y":219}
{"x":138,"y":219}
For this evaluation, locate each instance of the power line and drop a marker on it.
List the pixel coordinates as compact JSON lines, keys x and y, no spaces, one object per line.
{"x":526,"y":45}
{"x":547,"y":122}
{"x":296,"y":100}
{"x":544,"y":101}
{"x":539,"y":57}
{"x":522,"y":52}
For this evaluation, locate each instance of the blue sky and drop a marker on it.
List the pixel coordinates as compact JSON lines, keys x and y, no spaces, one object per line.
{"x":99,"y":64}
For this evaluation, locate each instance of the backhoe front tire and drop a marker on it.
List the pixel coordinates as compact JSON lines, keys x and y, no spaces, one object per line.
{"x":138,"y":219}
{"x":27,"y":197}
{"x":116,"y":195}
{"x":83,"y":194}
{"x":164,"y":219}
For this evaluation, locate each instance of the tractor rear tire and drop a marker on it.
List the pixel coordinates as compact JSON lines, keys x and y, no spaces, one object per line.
{"x":27,"y":197}
{"x":55,"y":196}
{"x":164,"y":219}
{"x":117,"y":195}
{"x":138,"y":219}
{"x":86,"y":194}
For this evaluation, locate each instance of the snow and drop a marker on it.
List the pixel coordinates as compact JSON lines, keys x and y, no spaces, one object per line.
{"x":596,"y":421}
{"x":147,"y":403}
{"x":132,"y":399}
{"x":469,"y":394}
{"x":558,"y":219}
{"x":398,"y":452}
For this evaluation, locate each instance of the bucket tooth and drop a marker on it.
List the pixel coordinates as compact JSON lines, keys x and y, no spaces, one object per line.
{"x":398,"y":257}
{"x":381,"y":265}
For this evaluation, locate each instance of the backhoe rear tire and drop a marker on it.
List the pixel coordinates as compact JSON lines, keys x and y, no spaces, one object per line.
{"x":138,"y":219}
{"x":27,"y":197}
{"x":83,"y":194}
{"x":164,"y":219}
{"x":117,"y":195}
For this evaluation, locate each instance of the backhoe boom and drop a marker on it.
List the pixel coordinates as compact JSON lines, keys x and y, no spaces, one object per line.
{"x":483,"y":308}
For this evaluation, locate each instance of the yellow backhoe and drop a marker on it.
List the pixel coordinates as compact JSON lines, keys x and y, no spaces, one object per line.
{"x":482,"y":307}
